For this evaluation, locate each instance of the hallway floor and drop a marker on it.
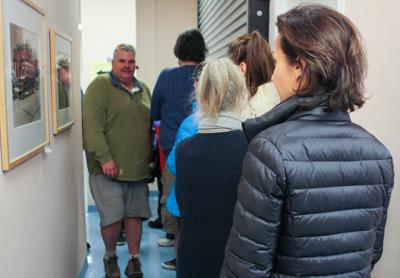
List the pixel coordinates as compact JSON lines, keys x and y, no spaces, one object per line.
{"x":151,"y":255}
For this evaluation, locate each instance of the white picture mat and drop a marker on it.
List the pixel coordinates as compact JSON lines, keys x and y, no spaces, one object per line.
{"x":64,"y":46}
{"x":25,"y":138}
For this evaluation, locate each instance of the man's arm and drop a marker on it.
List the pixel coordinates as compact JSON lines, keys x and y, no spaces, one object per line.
{"x":151,"y":130}
{"x":94,"y":123}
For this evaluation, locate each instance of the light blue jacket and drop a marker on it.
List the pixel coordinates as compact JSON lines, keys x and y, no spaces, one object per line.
{"x":188,"y":128}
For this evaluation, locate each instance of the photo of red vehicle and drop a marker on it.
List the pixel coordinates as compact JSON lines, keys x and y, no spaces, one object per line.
{"x":25,"y":76}
{"x":26,"y":71}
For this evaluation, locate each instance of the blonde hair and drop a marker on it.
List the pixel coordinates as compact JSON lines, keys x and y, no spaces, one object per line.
{"x":221,"y":87}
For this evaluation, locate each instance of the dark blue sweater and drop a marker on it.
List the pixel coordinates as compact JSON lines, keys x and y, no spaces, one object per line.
{"x":171,"y":102}
{"x":208,"y":169}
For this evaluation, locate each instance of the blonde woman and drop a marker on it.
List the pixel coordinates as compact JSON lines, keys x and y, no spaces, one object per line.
{"x":208,"y":168}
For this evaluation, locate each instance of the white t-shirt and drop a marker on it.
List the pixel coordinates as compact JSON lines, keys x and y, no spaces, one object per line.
{"x":264,"y":100}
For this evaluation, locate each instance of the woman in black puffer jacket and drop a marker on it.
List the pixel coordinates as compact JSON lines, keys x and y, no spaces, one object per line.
{"x":315,"y":187}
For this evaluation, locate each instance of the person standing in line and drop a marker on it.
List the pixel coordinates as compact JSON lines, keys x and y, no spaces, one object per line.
{"x":188,"y":128}
{"x":315,"y":188}
{"x":254,"y":57}
{"x":171,"y":103}
{"x":117,"y":135}
{"x":208,"y":169}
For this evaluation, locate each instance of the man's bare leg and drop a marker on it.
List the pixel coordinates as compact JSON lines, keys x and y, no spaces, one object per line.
{"x":110,"y":235}
{"x":133,"y":232}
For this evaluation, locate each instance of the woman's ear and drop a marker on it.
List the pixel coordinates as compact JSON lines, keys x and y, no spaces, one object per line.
{"x":243,"y":67}
{"x":298,"y":68}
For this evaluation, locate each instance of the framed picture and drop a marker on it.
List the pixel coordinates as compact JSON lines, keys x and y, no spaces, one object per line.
{"x":24,"y":127}
{"x":60,"y":61}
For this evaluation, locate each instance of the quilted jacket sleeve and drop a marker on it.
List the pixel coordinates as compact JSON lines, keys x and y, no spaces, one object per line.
{"x":252,"y":242}
{"x":378,"y":246}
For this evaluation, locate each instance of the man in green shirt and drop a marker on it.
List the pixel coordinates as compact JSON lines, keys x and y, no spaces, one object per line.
{"x":64,"y":79}
{"x":117,"y":127}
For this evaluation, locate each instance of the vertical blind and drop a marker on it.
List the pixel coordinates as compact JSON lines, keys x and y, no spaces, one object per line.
{"x":220,"y":22}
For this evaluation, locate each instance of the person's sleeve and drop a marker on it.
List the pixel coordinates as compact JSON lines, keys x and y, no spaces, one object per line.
{"x":179,"y":186}
{"x":157,"y":97}
{"x":94,"y":121}
{"x":151,"y":131}
{"x":187,"y":128}
{"x":146,"y":89}
{"x":378,"y":246}
{"x":251,"y":247}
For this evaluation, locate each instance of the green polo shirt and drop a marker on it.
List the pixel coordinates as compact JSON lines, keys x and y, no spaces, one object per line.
{"x":117,"y":126}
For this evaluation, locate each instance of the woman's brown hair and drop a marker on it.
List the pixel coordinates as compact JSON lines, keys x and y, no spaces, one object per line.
{"x":253,"y":50}
{"x":330,"y":50}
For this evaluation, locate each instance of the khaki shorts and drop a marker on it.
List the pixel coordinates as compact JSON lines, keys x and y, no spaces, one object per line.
{"x":116,"y":200}
{"x":169,"y":221}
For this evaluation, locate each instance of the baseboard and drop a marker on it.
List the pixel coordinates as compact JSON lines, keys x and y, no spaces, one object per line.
{"x":92,"y":209}
{"x":84,"y":269}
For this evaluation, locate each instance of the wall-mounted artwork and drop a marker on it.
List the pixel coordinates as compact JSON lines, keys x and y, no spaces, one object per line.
{"x":60,"y":60}
{"x":23,"y":100}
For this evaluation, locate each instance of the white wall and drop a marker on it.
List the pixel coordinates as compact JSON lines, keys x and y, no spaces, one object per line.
{"x":159,"y":23}
{"x":278,"y":7}
{"x":104,"y":25}
{"x":42,"y":214}
{"x":378,"y":22}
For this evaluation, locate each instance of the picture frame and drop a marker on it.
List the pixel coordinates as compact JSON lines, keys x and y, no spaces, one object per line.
{"x":61,"y":81}
{"x":24,"y":130}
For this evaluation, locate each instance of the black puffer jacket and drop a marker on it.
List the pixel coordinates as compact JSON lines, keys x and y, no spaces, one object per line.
{"x":313,"y":197}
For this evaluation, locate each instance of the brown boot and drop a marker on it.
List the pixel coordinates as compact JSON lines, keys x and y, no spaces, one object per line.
{"x":111,"y":267}
{"x":134,"y":268}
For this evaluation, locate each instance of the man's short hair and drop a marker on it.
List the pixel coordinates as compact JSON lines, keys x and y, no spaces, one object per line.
{"x":190,"y":46}
{"x":124,"y":47}
{"x":62,"y":61}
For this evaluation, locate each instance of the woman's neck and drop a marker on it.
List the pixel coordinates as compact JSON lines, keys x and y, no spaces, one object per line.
{"x":224,"y":122}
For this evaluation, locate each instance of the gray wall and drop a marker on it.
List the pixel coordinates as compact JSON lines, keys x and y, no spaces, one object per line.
{"x":378,"y":23}
{"x":42,"y":214}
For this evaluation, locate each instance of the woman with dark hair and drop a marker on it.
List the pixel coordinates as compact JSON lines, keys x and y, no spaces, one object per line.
{"x":190,"y":46}
{"x":171,"y":99}
{"x":254,"y":57}
{"x":315,"y":187}
{"x":171,"y":103}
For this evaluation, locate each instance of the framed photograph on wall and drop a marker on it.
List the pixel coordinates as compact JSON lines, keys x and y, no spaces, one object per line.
{"x":60,"y":61}
{"x":24,"y":127}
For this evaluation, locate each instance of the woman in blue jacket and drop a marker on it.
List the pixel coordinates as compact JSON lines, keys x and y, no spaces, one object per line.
{"x":315,"y":187}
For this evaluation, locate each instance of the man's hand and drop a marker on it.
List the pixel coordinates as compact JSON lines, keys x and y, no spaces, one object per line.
{"x":110,"y":169}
